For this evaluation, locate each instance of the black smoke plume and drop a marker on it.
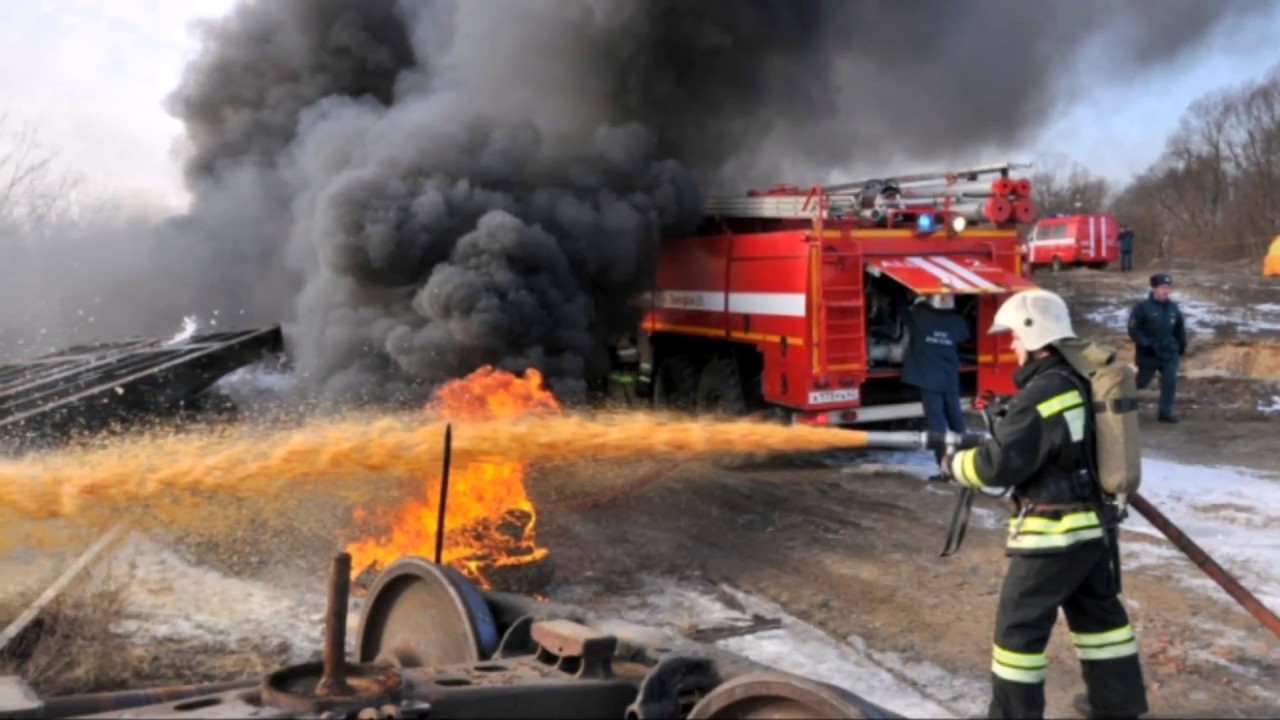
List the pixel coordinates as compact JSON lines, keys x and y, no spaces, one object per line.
{"x":439,"y":185}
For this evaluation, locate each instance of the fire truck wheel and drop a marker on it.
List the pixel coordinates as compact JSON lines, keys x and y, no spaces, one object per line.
{"x":720,"y":389}
{"x":674,"y":384}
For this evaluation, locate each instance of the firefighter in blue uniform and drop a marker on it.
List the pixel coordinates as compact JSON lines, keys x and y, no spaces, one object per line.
{"x":1157,"y":329}
{"x":1059,"y":547}
{"x":932,"y":361}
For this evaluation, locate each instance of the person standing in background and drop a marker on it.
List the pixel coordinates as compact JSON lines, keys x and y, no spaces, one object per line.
{"x":932,"y":362}
{"x":1159,"y":333}
{"x":1126,"y":248}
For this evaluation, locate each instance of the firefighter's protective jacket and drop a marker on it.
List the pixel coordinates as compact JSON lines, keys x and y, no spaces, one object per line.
{"x":1038,"y":449}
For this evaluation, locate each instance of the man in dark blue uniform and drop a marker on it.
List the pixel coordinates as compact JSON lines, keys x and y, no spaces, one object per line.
{"x":1157,"y":329}
{"x":1125,"y":241}
{"x":932,"y":362}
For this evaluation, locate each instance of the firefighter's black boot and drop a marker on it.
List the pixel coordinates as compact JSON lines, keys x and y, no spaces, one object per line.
{"x":1081,"y":704}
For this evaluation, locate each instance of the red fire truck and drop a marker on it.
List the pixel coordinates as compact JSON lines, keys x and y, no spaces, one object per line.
{"x":1078,"y":240}
{"x":793,"y":300}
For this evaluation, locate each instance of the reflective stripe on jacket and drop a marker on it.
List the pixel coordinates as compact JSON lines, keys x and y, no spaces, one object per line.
{"x":1037,"y":449}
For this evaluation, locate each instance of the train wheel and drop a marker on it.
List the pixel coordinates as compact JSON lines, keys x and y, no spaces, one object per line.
{"x":779,"y":695}
{"x":423,"y":615}
{"x":720,"y":390}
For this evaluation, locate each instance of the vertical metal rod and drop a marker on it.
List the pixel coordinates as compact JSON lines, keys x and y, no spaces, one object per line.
{"x":334,"y":680}
{"x":444,"y":492}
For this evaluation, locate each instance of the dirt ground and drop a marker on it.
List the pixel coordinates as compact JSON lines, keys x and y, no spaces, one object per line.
{"x":851,"y":546}
{"x":854,"y":552}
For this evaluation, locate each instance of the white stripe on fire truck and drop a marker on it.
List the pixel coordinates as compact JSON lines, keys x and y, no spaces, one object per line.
{"x":788,"y":304}
{"x":939,"y":272}
{"x":955,"y":275}
{"x":965,"y":272}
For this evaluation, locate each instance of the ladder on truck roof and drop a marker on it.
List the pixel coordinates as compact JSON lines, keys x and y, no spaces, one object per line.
{"x":950,"y":176}
{"x":878,"y":199}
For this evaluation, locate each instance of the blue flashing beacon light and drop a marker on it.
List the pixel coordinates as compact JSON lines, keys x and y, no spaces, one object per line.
{"x":925,"y":224}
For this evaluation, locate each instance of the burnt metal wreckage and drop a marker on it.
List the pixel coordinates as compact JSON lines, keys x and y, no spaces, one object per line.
{"x":431,"y":644}
{"x":89,"y":388}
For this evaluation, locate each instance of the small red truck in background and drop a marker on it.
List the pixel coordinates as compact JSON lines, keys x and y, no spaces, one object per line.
{"x":1057,"y":241}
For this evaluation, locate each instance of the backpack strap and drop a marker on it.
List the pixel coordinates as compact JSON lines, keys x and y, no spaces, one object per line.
{"x":1090,"y":452}
{"x":1118,"y":405}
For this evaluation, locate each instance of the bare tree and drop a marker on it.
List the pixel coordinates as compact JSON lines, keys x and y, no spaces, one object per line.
{"x":35,"y":193}
{"x":1059,"y":186}
{"x":1214,"y":194}
{"x":1255,"y":162}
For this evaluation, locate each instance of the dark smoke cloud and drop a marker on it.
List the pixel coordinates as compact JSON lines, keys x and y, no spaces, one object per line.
{"x":442,"y":185}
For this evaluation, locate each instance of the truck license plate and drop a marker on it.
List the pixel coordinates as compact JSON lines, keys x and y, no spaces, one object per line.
{"x":824,"y":397}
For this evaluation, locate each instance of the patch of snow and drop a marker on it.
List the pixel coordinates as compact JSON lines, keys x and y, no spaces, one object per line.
{"x":1202,"y":317}
{"x":167,"y":598}
{"x":1233,"y":513}
{"x":917,"y":464}
{"x":987,"y":517}
{"x":910,"y":689}
{"x":1273,"y":406}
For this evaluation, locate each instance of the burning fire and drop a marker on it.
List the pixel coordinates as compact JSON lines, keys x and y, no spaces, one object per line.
{"x":489,"y":519}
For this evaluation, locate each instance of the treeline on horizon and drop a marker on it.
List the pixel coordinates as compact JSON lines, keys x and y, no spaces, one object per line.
{"x":1213,"y":194}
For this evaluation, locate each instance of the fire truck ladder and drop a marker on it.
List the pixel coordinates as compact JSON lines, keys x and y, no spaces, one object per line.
{"x":844,"y":199}
{"x":949,"y":176}
{"x":841,"y":316}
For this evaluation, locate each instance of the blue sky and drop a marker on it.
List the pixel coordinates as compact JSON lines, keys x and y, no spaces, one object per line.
{"x":93,"y":73}
{"x":1121,"y":130}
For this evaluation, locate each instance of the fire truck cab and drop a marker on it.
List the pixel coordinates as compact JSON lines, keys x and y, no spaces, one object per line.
{"x":1073,"y":240}
{"x":794,"y":301}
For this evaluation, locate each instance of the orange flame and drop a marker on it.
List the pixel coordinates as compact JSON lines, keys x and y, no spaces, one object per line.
{"x":489,"y":518}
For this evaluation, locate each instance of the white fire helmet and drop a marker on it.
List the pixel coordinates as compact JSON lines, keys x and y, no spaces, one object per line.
{"x":1036,"y":317}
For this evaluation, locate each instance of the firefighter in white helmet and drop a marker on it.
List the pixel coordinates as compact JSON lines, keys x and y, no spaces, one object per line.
{"x":1059,"y":549}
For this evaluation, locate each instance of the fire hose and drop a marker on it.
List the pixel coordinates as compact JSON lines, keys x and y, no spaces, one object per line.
{"x":1216,"y":572}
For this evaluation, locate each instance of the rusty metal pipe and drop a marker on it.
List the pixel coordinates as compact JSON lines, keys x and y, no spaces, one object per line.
{"x":444,"y":491}
{"x":55,"y":708}
{"x":334,"y":679}
{"x":1247,"y":600}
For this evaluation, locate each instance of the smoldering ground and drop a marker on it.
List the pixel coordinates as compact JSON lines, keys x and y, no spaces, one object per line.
{"x":420,"y":188}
